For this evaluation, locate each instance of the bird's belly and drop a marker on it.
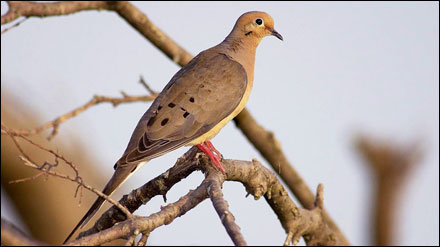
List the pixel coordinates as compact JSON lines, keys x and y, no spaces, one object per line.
{"x":214,"y":131}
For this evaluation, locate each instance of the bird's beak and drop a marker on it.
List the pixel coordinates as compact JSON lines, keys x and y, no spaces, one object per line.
{"x":276,"y":34}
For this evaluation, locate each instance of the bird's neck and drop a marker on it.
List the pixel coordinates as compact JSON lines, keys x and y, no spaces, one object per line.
{"x":241,"y":50}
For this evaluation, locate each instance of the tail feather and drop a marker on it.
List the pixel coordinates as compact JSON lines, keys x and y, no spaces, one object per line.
{"x":121,"y":174}
{"x":95,"y":207}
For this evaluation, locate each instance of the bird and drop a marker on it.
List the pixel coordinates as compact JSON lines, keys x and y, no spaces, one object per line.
{"x":198,"y":101}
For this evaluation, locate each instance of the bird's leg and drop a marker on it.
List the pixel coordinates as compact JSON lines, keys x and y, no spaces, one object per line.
{"x":210,"y":146}
{"x":214,"y":159}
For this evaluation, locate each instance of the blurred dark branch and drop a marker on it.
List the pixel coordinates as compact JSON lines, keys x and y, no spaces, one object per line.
{"x":12,"y":235}
{"x":391,"y":166}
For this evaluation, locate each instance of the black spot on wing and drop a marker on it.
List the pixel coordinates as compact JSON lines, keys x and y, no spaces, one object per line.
{"x":164,"y":122}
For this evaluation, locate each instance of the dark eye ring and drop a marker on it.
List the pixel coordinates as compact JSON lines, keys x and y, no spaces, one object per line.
{"x":259,"y":21}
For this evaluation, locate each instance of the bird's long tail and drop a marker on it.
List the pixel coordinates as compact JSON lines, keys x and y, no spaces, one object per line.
{"x":121,"y":174}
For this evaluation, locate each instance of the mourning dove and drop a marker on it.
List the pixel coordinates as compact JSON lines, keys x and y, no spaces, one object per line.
{"x":198,"y":101}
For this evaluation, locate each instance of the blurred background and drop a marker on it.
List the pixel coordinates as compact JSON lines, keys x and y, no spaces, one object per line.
{"x":344,"y":69}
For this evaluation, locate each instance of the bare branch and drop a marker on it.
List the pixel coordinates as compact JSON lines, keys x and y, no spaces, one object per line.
{"x":288,"y":239}
{"x":164,"y":217}
{"x":79,"y":182}
{"x":54,"y":124}
{"x":144,"y":239}
{"x":160,"y":185}
{"x":258,"y":181}
{"x":14,"y":26}
{"x":264,"y":141}
{"x":149,"y":89}
{"x":131,"y":239}
{"x":126,"y":10}
{"x":319,"y":201}
{"x":222,"y":209}
{"x":30,"y":9}
{"x":46,"y":168}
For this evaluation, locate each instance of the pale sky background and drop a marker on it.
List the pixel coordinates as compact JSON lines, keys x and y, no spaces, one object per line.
{"x":343,"y":68}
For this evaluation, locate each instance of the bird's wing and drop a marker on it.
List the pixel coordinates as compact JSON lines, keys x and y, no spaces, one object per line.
{"x":197,"y":98}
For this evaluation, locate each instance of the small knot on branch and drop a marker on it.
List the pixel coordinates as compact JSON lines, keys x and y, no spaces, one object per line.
{"x":319,"y":199}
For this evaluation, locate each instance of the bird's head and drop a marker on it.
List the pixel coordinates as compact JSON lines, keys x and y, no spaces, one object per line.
{"x":255,"y":25}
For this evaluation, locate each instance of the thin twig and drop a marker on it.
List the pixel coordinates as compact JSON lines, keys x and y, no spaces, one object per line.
{"x":132,"y":238}
{"x":54,"y":124}
{"x":288,"y":239}
{"x":12,"y":134}
{"x":145,"y":84}
{"x":79,"y":181}
{"x":14,"y":26}
{"x":144,"y":238}
{"x":46,"y":168}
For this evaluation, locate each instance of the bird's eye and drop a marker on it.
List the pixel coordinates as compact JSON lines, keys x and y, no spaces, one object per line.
{"x":259,"y":21}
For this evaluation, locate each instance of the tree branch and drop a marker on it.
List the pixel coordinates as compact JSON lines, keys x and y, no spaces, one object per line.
{"x":126,"y":10}
{"x":30,"y":9}
{"x":160,"y":185}
{"x":269,"y":147}
{"x":258,"y":181}
{"x":222,"y":209}
{"x":146,"y":224}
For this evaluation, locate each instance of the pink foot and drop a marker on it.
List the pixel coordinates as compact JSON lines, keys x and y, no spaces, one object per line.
{"x":210,"y":146}
{"x":204,"y":147}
